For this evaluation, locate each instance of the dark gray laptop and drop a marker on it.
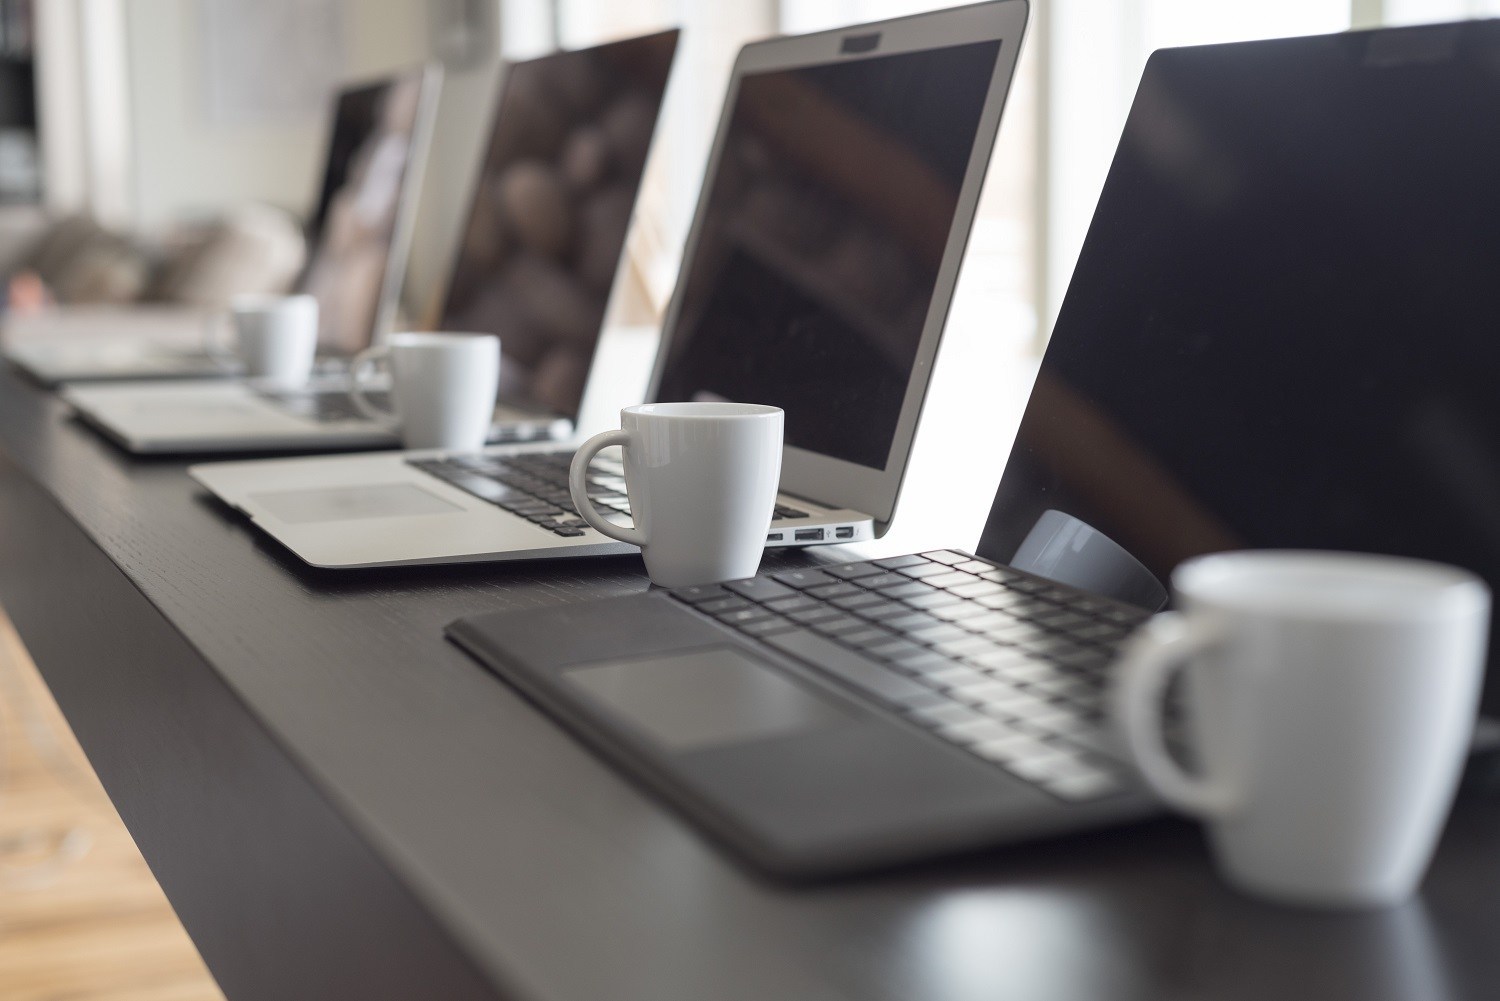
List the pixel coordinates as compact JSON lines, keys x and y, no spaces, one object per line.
{"x":1281,"y":332}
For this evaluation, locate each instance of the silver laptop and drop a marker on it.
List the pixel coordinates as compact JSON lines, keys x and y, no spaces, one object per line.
{"x":541,"y":283}
{"x":839,"y":195}
{"x":360,"y":230}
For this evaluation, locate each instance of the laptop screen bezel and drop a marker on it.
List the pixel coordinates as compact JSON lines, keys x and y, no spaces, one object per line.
{"x":813,"y":475}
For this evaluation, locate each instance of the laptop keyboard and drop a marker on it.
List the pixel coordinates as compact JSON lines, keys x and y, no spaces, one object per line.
{"x":1009,"y":667}
{"x":534,"y":486}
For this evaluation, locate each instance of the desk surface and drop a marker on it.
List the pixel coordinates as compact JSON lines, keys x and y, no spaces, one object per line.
{"x":340,"y":804}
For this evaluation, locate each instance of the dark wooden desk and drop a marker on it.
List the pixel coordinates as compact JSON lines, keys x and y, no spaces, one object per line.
{"x":341,"y":805}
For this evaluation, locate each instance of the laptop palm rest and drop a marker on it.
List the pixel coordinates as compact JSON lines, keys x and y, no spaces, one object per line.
{"x":790,"y":771}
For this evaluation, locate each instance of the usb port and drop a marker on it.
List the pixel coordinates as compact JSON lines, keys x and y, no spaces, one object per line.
{"x":775,"y":536}
{"x":809,"y":535}
{"x":847,"y":532}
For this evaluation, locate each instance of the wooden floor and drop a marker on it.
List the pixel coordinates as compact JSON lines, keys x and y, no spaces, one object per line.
{"x":81,"y":918}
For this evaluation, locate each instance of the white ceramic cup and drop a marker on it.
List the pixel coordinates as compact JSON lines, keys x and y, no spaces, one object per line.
{"x":275,"y":337}
{"x":702,"y":480}
{"x":1329,"y":698}
{"x":443,"y":387}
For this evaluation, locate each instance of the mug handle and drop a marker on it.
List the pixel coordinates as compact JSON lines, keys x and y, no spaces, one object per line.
{"x":578,"y":487}
{"x":370,"y":358}
{"x":1162,"y":648}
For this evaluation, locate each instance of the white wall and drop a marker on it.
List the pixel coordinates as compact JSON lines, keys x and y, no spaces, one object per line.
{"x":183,"y":165}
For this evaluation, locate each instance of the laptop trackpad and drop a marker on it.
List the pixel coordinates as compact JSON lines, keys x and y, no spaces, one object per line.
{"x":380,"y":500}
{"x":703,"y":698}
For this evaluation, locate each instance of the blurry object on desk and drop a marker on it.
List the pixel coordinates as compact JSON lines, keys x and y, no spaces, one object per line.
{"x":76,"y":261}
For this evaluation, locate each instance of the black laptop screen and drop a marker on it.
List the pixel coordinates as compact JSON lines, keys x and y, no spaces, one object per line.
{"x":820,"y":241}
{"x":551,"y":207}
{"x":1284,"y":326}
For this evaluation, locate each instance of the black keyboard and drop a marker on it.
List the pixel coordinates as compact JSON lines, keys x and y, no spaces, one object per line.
{"x":1008,"y":666}
{"x":534,"y":486}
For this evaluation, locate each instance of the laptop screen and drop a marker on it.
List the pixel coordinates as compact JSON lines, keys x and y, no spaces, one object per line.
{"x":354,"y":224}
{"x":551,"y":207}
{"x":1284,"y":326}
{"x":821,"y":238}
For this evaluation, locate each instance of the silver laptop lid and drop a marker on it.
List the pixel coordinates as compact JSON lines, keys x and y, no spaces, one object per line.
{"x":360,"y":229}
{"x":821,"y":261}
{"x":551,"y":207}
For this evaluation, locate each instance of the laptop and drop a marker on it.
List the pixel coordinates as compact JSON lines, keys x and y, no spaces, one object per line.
{"x":1280,"y":333}
{"x":359,"y":233}
{"x":817,"y":276}
{"x":546,"y":229}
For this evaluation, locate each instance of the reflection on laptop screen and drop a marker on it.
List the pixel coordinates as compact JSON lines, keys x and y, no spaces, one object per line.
{"x":821,"y":238}
{"x":1284,"y":327}
{"x":550,"y":211}
{"x":354,"y":223}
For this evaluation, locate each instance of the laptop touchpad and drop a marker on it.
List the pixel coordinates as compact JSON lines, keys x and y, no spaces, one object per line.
{"x":380,"y":500}
{"x":703,"y":698}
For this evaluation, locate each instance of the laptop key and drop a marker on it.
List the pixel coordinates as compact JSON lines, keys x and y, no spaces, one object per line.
{"x":875,"y":581}
{"x":852,"y":571}
{"x":726,"y":604}
{"x":910,"y":589}
{"x":898,"y":562}
{"x":767,"y":626}
{"x":836,"y":589}
{"x":743,"y":616}
{"x":952,"y":578}
{"x":957,"y":613}
{"x":759,"y":589}
{"x":911,"y":621}
{"x":978,"y":589}
{"x":974,"y":566}
{"x":935,"y":600}
{"x":947,"y":556}
{"x":924,"y":570}
{"x":936,"y":633}
{"x":802,"y":579}
{"x":811,"y":615}
{"x":850,"y":667}
{"x":699,"y":592}
{"x":860,"y":600}
{"x":795,"y":603}
{"x":869,"y":634}
{"x":839,"y":625}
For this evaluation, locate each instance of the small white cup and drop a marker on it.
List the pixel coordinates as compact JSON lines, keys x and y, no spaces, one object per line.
{"x":443,"y":387}
{"x":702,"y":479}
{"x":275,"y":337}
{"x":1329,"y":698}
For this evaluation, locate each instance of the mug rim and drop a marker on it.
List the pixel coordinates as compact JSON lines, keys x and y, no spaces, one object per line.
{"x":1292,"y":584}
{"x":716,"y":410}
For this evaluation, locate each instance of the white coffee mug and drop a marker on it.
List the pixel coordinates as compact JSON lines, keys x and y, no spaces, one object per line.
{"x":443,"y":387}
{"x":702,"y":479}
{"x":1329,"y":699}
{"x":275,"y":337}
